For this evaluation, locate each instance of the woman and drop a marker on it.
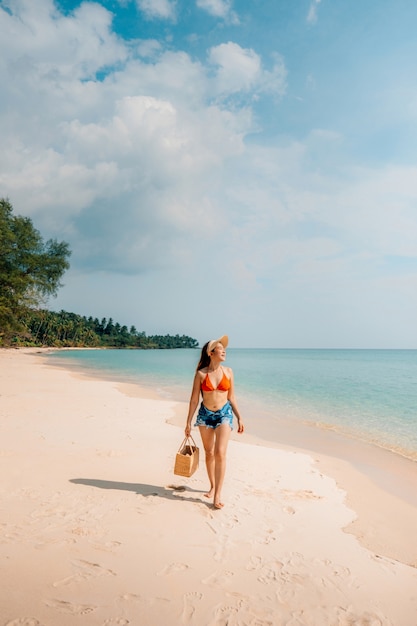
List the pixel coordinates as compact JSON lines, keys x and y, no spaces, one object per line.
{"x":215,"y":416}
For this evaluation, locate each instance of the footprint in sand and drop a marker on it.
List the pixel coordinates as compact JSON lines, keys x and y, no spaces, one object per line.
{"x":304,"y":494}
{"x":131,"y":597}
{"x":86,"y":570}
{"x":253,"y":491}
{"x":56,"y":513}
{"x":44,"y":545}
{"x":81,"y":531}
{"x":230,"y":522}
{"x":225,"y":616}
{"x":68,"y":607}
{"x":254,"y":563}
{"x":108,"y":546}
{"x":218,"y":579}
{"x":332,"y":574}
{"x":24,"y":621}
{"x":172,"y":568}
{"x":336,"y":615}
{"x":366,"y":619}
{"x":270,"y":573}
{"x":268,"y":538}
{"x":116,"y":621}
{"x":222,"y":548}
{"x":190,"y":604}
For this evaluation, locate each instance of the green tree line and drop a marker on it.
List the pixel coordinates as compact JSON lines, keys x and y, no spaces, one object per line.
{"x":30,"y":272}
{"x":64,"y":329}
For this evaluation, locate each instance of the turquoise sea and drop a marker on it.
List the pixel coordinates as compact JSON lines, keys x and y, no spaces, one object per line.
{"x":370,"y":395}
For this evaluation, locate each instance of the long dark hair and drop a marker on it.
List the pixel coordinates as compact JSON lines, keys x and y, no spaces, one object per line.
{"x":204,"y":358}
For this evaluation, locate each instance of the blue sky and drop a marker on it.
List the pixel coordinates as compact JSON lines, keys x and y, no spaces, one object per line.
{"x":217,"y":166}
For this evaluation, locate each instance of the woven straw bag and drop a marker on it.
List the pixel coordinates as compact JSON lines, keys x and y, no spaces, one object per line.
{"x":187,"y":457}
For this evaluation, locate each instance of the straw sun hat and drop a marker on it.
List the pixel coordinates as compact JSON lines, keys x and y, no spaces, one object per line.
{"x":213,"y":343}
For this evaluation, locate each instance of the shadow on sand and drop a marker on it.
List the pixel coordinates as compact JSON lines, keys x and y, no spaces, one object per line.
{"x":170,"y":492}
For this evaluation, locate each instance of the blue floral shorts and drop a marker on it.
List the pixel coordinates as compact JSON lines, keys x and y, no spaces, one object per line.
{"x":212,"y":419}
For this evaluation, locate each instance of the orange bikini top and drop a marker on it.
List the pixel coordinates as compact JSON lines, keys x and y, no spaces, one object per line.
{"x":224,"y":384}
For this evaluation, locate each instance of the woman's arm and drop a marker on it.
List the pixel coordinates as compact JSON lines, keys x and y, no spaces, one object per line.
{"x":232,"y":400}
{"x":195,"y":395}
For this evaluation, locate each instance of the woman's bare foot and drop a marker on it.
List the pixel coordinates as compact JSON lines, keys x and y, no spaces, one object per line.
{"x":218,"y":505}
{"x":210,"y":493}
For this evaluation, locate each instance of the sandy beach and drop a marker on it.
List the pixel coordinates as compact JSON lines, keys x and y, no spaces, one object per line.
{"x":97,"y":530}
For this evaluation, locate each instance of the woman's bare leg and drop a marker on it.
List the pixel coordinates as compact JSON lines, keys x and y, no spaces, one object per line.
{"x":208,"y":438}
{"x":222,"y":433}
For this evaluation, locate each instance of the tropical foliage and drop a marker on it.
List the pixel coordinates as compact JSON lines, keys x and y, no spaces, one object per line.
{"x":30,"y":269}
{"x":30,"y":272}
{"x":63,"y":329}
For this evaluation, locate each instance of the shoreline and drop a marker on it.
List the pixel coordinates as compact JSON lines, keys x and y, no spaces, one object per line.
{"x":363,"y":455}
{"x":98,"y":530}
{"x":311,"y":432}
{"x":381,"y":472}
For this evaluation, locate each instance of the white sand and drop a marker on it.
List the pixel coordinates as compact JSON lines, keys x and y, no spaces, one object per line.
{"x":94,"y":532}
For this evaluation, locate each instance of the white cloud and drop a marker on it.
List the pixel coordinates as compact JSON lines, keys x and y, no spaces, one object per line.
{"x":321,"y":229}
{"x":240,"y":70}
{"x":149,"y":172}
{"x":219,"y":8}
{"x":147,"y":133}
{"x":148,"y":48}
{"x":123,"y":168}
{"x":312,"y":12}
{"x":157,"y":9}
{"x":274,"y":81}
{"x":42,"y":44}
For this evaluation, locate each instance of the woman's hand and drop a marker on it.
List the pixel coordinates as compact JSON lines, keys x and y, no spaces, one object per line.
{"x":187,"y":430}
{"x":240,"y":427}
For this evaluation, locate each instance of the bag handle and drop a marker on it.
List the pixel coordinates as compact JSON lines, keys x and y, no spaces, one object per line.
{"x":185,"y":441}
